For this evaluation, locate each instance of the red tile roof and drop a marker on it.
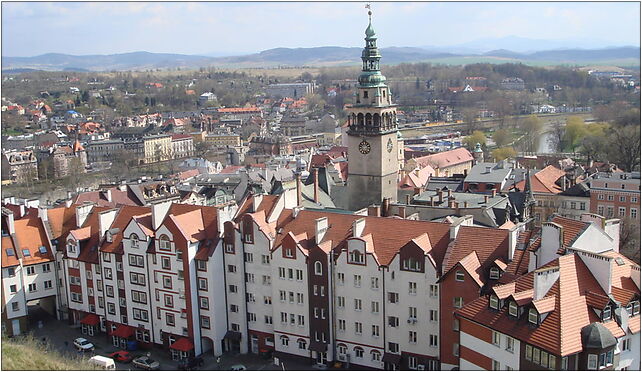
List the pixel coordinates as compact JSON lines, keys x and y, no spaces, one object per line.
{"x":446,"y":159}
{"x":118,"y":198}
{"x":123,"y":217}
{"x":567,"y":304}
{"x":8,"y":261}
{"x":493,"y":246}
{"x":31,"y":235}
{"x":544,"y":181}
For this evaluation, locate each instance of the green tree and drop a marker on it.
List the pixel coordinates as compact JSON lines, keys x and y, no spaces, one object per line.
{"x":504,"y":153}
{"x":574,"y":131}
{"x":624,"y":147}
{"x":501,"y":137}
{"x":475,"y":138}
{"x":531,"y":126}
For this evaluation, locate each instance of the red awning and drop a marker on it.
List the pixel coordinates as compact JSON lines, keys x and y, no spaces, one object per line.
{"x":182,"y":344}
{"x":90,"y":319}
{"x":123,"y":331}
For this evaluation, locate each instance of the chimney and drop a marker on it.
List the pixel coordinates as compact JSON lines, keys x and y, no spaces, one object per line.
{"x":543,"y":280}
{"x":488,"y":168}
{"x":451,"y":203}
{"x":22,"y":210}
{"x":416,"y":191}
{"x":402,"y":212}
{"x":298,"y":189}
{"x":256,"y":201}
{"x":450,"y":193}
{"x":441,"y":196}
{"x":159,"y":210}
{"x":107,"y":194}
{"x":374,"y":211}
{"x":385,"y":207}
{"x":320,"y":228}
{"x":122,"y":187}
{"x":357,"y":227}
{"x":563,"y":183}
{"x":466,"y":204}
{"x":493,"y":193}
{"x":459,"y":222}
{"x":512,"y":241}
{"x":105,"y":219}
{"x":10,"y":223}
{"x":296,"y":210}
{"x":485,"y":199}
{"x":82,"y":211}
{"x":68,"y":203}
{"x":408,"y":199}
{"x":315,"y":172}
{"x":42,"y":214}
{"x":432,"y":200}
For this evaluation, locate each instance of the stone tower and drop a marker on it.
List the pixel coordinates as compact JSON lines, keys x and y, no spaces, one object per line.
{"x":478,"y":154}
{"x":372,"y":134}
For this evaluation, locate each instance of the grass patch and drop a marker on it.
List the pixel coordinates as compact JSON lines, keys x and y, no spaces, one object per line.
{"x":28,"y":353}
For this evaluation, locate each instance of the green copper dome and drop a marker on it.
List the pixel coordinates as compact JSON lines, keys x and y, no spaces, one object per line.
{"x":370,"y":32}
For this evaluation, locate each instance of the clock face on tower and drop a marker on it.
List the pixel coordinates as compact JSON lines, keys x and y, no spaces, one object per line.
{"x":389,"y":146}
{"x":364,"y":147}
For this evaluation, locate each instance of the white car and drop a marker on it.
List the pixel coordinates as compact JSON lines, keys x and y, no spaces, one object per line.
{"x":83,"y":344}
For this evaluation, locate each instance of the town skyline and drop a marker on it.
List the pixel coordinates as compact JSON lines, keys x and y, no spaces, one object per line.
{"x":179,"y":27}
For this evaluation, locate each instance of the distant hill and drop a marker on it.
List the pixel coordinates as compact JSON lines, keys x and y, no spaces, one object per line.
{"x":319,"y":56}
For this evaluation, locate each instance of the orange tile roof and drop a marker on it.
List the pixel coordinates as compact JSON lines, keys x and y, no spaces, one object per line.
{"x":117,"y":198}
{"x":634,"y":324}
{"x":545,"y":305}
{"x":31,"y":235}
{"x":386,"y":242}
{"x":493,"y":246}
{"x":89,"y":247}
{"x":623,"y":296}
{"x":560,"y":331}
{"x":8,"y":261}
{"x":544,"y":181}
{"x":445,"y":159}
{"x":471,"y":264}
{"x":239,"y":109}
{"x":572,"y":228}
{"x":61,"y":220}
{"x":123,"y":217}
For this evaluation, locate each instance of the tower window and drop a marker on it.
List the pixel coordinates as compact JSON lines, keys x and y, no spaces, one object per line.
{"x":365,"y":94}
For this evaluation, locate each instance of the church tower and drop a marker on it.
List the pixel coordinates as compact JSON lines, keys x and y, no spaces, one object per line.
{"x":372,"y":133}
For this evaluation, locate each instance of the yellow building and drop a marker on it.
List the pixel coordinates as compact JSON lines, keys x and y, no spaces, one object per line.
{"x":223,"y":140}
{"x":157,"y":148}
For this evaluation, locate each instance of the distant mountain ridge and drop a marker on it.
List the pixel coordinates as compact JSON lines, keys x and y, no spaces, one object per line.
{"x":317,"y":56}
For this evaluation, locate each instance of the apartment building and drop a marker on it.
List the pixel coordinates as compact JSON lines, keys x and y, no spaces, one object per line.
{"x":28,"y":270}
{"x":578,"y":312}
{"x":616,"y":195}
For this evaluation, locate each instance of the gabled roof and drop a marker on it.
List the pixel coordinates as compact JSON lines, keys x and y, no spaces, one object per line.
{"x":446,"y":158}
{"x":386,"y":242}
{"x":544,"y":181}
{"x":123,"y":217}
{"x":572,"y":228}
{"x":566,"y":302}
{"x":494,"y":245}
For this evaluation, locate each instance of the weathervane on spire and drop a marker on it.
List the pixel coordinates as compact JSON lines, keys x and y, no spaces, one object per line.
{"x":369,"y":12}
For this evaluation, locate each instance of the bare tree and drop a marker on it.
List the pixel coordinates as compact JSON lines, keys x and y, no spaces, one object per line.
{"x":556,"y":137}
{"x":624,"y":147}
{"x":630,"y":238}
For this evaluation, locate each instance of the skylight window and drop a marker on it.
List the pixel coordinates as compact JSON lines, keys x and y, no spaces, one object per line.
{"x":26,"y":253}
{"x":619,"y":261}
{"x":10,"y":252}
{"x":42,"y":249}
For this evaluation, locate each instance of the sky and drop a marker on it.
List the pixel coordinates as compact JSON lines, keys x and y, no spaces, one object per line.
{"x":233,"y":28}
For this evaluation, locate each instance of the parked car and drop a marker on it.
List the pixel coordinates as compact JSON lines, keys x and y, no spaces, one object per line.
{"x":103,"y":362}
{"x":146,"y":362}
{"x":82,"y":344}
{"x":238,"y":367}
{"x":190,"y":363}
{"x":122,"y":356}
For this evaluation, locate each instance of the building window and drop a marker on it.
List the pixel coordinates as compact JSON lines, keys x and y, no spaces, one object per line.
{"x":494,"y":302}
{"x":494,"y":273}
{"x":434,"y":316}
{"x":459,"y":276}
{"x":202,"y":284}
{"x":169,"y":319}
{"x":393,"y":297}
{"x":249,"y":257}
{"x":529,"y":352}
{"x":393,"y":321}
{"x":512,"y":308}
{"x":341,"y":301}
{"x":622,"y":211}
{"x":318,"y":268}
{"x":268,"y":319}
{"x":412,"y":337}
{"x":455,"y":324}
{"x":164,"y":243}
{"x":496,"y":338}
{"x":496,"y":365}
{"x":592,"y":361}
{"x":412,"y":288}
{"x":458,"y":302}
{"x":433,"y":340}
{"x":375,"y":331}
{"x":375,"y":356}
{"x":434,"y":290}
{"x":302,"y":344}
{"x":411,"y":264}
{"x":356,"y":257}
{"x":456,"y":349}
{"x":606,"y":314}
{"x":533,"y":317}
{"x":358,"y":352}
{"x":357,"y":304}
{"x":205,"y":322}
{"x":634,"y":213}
{"x":342,"y":325}
{"x":201,"y":265}
{"x":358,"y":328}
{"x":285,"y":341}
{"x":357,"y":281}
{"x":510,"y":344}
{"x":393,"y":347}
{"x":374,"y":283}
{"x":166,"y":264}
{"x":374,"y":307}
{"x":341,"y":278}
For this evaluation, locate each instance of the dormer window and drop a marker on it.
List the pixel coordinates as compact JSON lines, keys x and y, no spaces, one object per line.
{"x":494,"y":302}
{"x":134,"y":240}
{"x":318,"y":268}
{"x":606,"y":314}
{"x":288,"y":252}
{"x":109,"y":237}
{"x":494,"y":273}
{"x":365,"y":94}
{"x":636,"y":307}
{"x":71,"y":246}
{"x":533,"y":316}
{"x":164,"y":243}
{"x":356,"y":257}
{"x":512,"y":308}
{"x":411,"y":264}
{"x":459,"y":276}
